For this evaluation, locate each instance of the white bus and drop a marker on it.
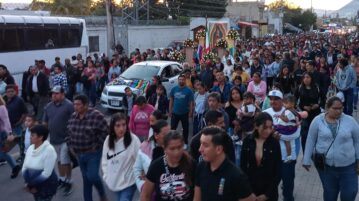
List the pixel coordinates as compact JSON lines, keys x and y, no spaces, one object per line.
{"x":24,"y":39}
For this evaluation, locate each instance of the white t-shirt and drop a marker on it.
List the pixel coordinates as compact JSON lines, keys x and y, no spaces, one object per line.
{"x":200,"y":103}
{"x":291,"y":117}
{"x":275,"y":115}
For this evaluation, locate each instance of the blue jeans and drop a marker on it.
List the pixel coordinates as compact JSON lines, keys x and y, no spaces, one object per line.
{"x":9,"y":159}
{"x":90,"y":166}
{"x":355,"y":95}
{"x":175,"y":119}
{"x":288,"y":175}
{"x":343,"y":180}
{"x":126,"y":194}
{"x":348,"y":102}
{"x":197,"y":123}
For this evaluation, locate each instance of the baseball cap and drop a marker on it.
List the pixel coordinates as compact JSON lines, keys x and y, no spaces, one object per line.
{"x":57,"y":89}
{"x":276,"y":93}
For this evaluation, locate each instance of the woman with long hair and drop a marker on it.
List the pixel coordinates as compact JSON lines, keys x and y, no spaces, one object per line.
{"x":285,"y":80}
{"x":170,"y":176}
{"x":234,"y":103}
{"x":118,"y":157}
{"x":261,"y":159}
{"x":308,"y":95}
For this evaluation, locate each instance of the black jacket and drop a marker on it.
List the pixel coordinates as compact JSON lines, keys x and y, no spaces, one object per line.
{"x":42,"y":85}
{"x":125,"y":101}
{"x":163,"y":103}
{"x":264,"y":178}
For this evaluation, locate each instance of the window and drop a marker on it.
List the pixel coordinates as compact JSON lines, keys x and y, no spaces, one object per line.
{"x":167,"y":72}
{"x":51,"y":37}
{"x":176,"y":70}
{"x":11,"y":39}
{"x":94,"y":44}
{"x":35,"y":38}
{"x":70,"y":37}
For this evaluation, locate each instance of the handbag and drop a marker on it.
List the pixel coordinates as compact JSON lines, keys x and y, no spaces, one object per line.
{"x":319,"y":159}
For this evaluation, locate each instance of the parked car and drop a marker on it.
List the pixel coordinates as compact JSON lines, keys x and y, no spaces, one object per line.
{"x":138,"y":77}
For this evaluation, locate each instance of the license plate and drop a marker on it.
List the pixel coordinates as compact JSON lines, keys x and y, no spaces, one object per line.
{"x":115,"y":102}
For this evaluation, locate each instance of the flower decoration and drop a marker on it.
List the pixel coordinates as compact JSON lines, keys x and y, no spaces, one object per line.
{"x":222,"y":43}
{"x":233,"y":34}
{"x":188,"y":43}
{"x":209,"y":56}
{"x":201,"y":34}
{"x":177,"y":56}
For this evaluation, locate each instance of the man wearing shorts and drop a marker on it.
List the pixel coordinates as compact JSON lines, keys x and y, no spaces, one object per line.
{"x":56,"y":116}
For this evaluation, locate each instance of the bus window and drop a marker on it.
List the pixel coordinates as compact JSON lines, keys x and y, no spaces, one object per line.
{"x":11,"y":40}
{"x":35,"y":39}
{"x":51,"y":36}
{"x":70,"y":37}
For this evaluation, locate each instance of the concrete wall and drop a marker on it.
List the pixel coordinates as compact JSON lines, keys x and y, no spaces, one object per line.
{"x":144,"y":37}
{"x":102,"y":34}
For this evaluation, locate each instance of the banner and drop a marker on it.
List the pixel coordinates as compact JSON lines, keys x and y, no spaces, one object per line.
{"x":216,"y":31}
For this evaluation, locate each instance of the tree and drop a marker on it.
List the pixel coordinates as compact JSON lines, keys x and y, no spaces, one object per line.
{"x":294,"y":14}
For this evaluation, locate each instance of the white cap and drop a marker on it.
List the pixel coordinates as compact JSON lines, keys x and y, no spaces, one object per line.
{"x":276,"y":93}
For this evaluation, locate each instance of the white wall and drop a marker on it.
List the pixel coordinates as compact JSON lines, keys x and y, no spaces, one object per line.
{"x":144,"y":37}
{"x":102,"y":33}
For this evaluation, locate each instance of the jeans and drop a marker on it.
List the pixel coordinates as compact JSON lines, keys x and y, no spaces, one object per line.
{"x":288,"y":175}
{"x":126,"y":194}
{"x":175,"y":119}
{"x":9,"y":159}
{"x":198,"y":123}
{"x":91,"y":93}
{"x":90,"y":166}
{"x":17,"y":131}
{"x":39,"y":103}
{"x":348,"y":102}
{"x":79,"y":88}
{"x":304,"y":129}
{"x":355,"y":96}
{"x":343,"y":180}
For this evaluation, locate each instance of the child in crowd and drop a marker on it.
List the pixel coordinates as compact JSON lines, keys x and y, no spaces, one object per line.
{"x":247,"y":113}
{"x":201,"y":106}
{"x":129,"y":100}
{"x":288,"y":124}
{"x":159,"y":100}
{"x":30,"y":121}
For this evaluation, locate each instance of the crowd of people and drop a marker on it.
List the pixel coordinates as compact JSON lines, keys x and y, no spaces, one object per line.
{"x":252,"y":112}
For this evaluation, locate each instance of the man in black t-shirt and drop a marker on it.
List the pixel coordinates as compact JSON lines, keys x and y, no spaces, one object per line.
{"x":218,"y":179}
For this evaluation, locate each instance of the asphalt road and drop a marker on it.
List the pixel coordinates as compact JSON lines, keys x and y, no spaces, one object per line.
{"x":13,"y":189}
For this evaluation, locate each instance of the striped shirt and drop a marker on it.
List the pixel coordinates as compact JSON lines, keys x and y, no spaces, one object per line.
{"x":89,"y":133}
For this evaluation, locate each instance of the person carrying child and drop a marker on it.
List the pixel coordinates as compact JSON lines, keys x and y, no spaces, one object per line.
{"x":288,"y":124}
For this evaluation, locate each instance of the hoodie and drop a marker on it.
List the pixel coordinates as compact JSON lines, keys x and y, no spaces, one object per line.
{"x":139,"y":120}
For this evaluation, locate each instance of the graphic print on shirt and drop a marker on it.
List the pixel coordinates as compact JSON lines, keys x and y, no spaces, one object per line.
{"x":173,"y":187}
{"x":141,"y":116}
{"x":179,"y":95}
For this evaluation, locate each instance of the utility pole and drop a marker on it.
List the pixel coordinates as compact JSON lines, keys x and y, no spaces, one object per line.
{"x":110,"y":30}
